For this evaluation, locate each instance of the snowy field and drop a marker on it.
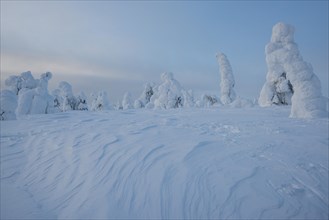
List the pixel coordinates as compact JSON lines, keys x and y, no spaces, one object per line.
{"x":216,"y":163}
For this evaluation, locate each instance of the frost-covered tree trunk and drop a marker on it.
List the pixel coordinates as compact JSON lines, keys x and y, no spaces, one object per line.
{"x":290,"y":79}
{"x":227,"y":79}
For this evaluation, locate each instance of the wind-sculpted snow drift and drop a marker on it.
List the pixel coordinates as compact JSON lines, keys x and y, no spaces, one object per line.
{"x":193,"y":163}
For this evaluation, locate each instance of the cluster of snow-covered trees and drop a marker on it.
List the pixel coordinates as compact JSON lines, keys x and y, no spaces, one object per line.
{"x":27,"y":95}
{"x":289,"y":81}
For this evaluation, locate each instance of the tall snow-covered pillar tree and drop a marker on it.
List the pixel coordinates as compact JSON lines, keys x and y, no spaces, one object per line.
{"x":227,"y":94}
{"x":290,"y":79}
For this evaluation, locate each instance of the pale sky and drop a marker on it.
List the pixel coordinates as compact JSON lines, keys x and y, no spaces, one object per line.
{"x":117,"y":46}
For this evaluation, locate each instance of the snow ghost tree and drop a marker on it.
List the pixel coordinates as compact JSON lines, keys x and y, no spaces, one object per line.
{"x":227,"y":79}
{"x":145,"y":97}
{"x":64,"y":99}
{"x":33,"y":96}
{"x":169,"y":93}
{"x":42,"y":102}
{"x":127,"y":101}
{"x":24,"y":81}
{"x":8,"y":101}
{"x":290,"y":80}
{"x":100,"y":102}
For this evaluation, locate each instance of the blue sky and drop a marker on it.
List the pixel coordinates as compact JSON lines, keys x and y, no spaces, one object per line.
{"x":118,"y":46}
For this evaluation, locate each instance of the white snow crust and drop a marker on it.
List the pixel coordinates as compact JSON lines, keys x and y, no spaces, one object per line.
{"x":211,"y":163}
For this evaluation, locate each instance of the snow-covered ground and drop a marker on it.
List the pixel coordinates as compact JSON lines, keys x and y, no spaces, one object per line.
{"x":182,"y":163}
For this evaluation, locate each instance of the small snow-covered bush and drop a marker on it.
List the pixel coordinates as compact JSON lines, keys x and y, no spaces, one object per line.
{"x":207,"y":100}
{"x":241,"y":103}
{"x":8,"y":101}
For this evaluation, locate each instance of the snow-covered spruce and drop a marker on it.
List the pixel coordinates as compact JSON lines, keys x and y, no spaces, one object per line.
{"x":290,"y":79}
{"x":127,"y":101}
{"x":145,"y":97}
{"x":82,"y":104}
{"x":64,"y":98}
{"x":227,"y":79}
{"x":100,"y":102}
{"x":169,"y":94}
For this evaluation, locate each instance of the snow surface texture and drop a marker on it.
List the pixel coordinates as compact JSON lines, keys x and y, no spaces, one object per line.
{"x":217,"y":163}
{"x":288,"y":74}
{"x":227,"y":93}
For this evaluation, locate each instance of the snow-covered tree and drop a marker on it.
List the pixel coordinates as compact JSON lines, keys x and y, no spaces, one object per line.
{"x":188,"y":98}
{"x":207,"y":100}
{"x":24,"y":81}
{"x":82,"y":102}
{"x":145,"y":97}
{"x":64,"y":99}
{"x":169,"y":93}
{"x":100,"y":102}
{"x":118,"y":106}
{"x":127,"y":102}
{"x":8,"y":105}
{"x":33,"y":96}
{"x":290,"y":79}
{"x":227,"y":79}
{"x":14,"y":84}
